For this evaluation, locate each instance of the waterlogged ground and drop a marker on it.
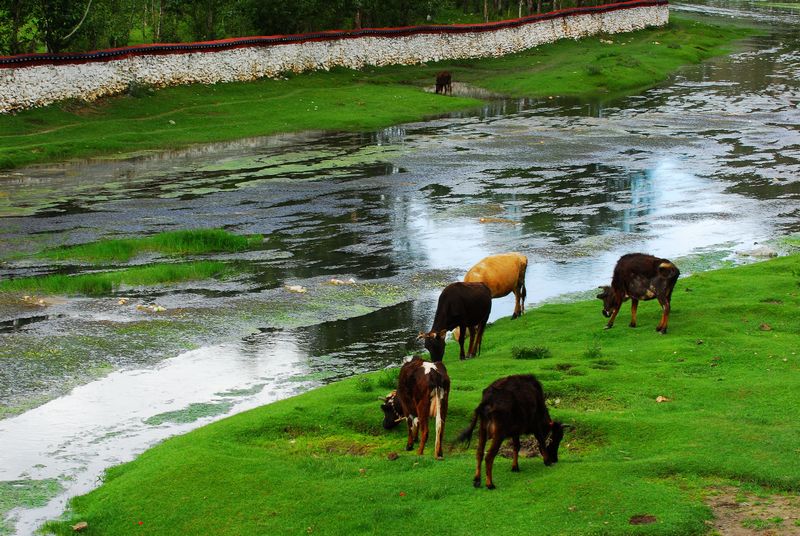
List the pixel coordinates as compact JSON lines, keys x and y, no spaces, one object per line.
{"x":703,"y":170}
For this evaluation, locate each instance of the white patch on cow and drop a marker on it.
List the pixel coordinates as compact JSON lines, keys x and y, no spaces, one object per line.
{"x":429,"y":367}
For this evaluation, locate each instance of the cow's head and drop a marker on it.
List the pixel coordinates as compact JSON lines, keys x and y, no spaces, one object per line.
{"x":434,"y":343}
{"x":392,"y":411}
{"x":609,"y":298}
{"x":550,"y":449}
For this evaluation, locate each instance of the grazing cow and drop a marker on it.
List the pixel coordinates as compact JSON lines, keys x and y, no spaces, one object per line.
{"x":503,"y":273}
{"x":461,"y":305}
{"x":444,"y":83}
{"x":511,"y":407}
{"x":422,"y":392}
{"x":639,"y":277}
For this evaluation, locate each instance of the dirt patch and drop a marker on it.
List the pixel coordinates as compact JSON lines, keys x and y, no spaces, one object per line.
{"x":739,"y":513}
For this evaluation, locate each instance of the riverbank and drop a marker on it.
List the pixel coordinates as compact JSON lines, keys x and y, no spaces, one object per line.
{"x":149,"y":120}
{"x":320,"y":462}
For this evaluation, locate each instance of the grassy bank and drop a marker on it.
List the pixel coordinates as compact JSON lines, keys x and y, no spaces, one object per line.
{"x":317,"y":463}
{"x":350,"y":100}
{"x":186,"y":242}
{"x":104,"y":283}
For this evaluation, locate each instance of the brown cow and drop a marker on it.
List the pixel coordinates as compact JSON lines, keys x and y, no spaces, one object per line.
{"x":444,"y":83}
{"x":461,"y":305}
{"x":511,"y":407}
{"x":423,"y":389}
{"x":640,"y":277}
{"x":502,"y":273}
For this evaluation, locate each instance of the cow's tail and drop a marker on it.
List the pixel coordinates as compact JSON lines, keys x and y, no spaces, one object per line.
{"x":437,"y":397}
{"x":466,"y":435}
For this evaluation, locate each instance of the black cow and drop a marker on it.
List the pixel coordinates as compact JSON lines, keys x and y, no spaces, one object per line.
{"x":640,"y":277}
{"x":461,"y":305}
{"x":511,"y":407}
{"x":423,"y":389}
{"x":444,"y":83}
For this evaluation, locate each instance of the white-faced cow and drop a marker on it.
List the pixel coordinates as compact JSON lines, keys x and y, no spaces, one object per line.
{"x":502,"y":273}
{"x":512,"y":407}
{"x":640,"y":277}
{"x":423,"y":389}
{"x":461,"y":305}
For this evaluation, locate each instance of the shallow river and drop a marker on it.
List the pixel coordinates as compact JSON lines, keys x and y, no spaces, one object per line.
{"x":704,"y":170}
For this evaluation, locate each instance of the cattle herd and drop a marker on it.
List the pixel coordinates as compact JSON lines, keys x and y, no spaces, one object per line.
{"x":515,"y":405}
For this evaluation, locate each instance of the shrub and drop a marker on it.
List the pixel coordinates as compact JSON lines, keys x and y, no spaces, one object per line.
{"x":530,"y":352}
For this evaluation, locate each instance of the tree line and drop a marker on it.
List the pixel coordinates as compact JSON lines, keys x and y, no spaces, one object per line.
{"x":81,"y":25}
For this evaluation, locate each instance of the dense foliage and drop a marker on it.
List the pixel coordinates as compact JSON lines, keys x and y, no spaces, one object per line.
{"x":80,"y":25}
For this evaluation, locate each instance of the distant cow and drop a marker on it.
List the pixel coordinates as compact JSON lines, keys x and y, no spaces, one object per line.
{"x":511,"y":407}
{"x":502,"y":273}
{"x":444,"y":83}
{"x":422,"y":392}
{"x":461,"y":305}
{"x":640,"y":277}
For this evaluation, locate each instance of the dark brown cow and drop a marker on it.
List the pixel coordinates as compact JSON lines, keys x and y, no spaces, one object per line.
{"x":640,"y":277}
{"x":444,"y":83}
{"x":461,"y":305}
{"x":422,"y":392}
{"x":511,"y":407}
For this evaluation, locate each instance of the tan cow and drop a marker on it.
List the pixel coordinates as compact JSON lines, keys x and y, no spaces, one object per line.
{"x":502,"y":273}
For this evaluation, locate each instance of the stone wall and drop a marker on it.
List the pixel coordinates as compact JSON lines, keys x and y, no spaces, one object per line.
{"x":37,"y":80}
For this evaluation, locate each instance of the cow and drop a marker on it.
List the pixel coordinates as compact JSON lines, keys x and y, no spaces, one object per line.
{"x":444,"y":83}
{"x":502,"y":273}
{"x":461,"y":305}
{"x":639,"y":277}
{"x":511,"y":407}
{"x":423,"y":389}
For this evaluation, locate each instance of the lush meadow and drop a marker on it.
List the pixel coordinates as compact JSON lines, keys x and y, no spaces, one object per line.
{"x":319,"y":463}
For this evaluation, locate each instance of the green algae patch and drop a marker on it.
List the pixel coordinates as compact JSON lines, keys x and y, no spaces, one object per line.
{"x":105,"y":283}
{"x":25,"y":494}
{"x":724,"y":383}
{"x":187,"y":242}
{"x":190,"y":413}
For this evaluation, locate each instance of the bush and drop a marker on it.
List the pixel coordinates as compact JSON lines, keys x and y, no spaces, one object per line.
{"x":530,"y":352}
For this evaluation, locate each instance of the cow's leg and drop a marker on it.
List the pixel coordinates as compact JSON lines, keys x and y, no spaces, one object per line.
{"x":634,"y":306}
{"x":472,"y":340}
{"x":411,"y":421}
{"x":662,"y":326}
{"x":476,"y":481}
{"x":493,"y":450}
{"x":515,"y":457}
{"x":441,"y":417}
{"x":462,"y":334}
{"x":479,"y":337}
{"x":610,"y":323}
{"x":424,"y":411}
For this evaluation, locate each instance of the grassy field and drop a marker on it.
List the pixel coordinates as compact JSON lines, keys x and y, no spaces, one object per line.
{"x":318,"y":463}
{"x":143,"y":120}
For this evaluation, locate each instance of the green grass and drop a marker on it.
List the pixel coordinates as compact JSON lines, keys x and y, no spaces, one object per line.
{"x":317,"y":463}
{"x":350,"y":100}
{"x":189,"y":242}
{"x":104,"y":283}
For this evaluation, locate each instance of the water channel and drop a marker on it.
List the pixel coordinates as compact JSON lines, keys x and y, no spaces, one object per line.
{"x":704,"y":170}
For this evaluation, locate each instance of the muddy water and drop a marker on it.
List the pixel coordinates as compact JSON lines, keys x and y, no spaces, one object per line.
{"x":703,"y":170}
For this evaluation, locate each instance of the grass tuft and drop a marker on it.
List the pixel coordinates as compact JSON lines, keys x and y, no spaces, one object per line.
{"x":530,"y":352}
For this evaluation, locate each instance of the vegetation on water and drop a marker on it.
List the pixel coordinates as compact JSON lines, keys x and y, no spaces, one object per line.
{"x":185,"y":242}
{"x":598,"y":67}
{"x":105,"y":283}
{"x":727,"y":372}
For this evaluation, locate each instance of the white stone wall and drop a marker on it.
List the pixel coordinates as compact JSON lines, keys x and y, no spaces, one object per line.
{"x":27,"y":87}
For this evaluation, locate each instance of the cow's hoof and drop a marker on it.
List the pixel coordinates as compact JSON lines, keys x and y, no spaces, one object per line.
{"x":608,"y":326}
{"x":476,"y":482}
{"x":632,"y":324}
{"x":515,"y":469}
{"x":440,"y":457}
{"x":514,"y":316}
{"x":409,"y":447}
{"x":490,"y":486}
